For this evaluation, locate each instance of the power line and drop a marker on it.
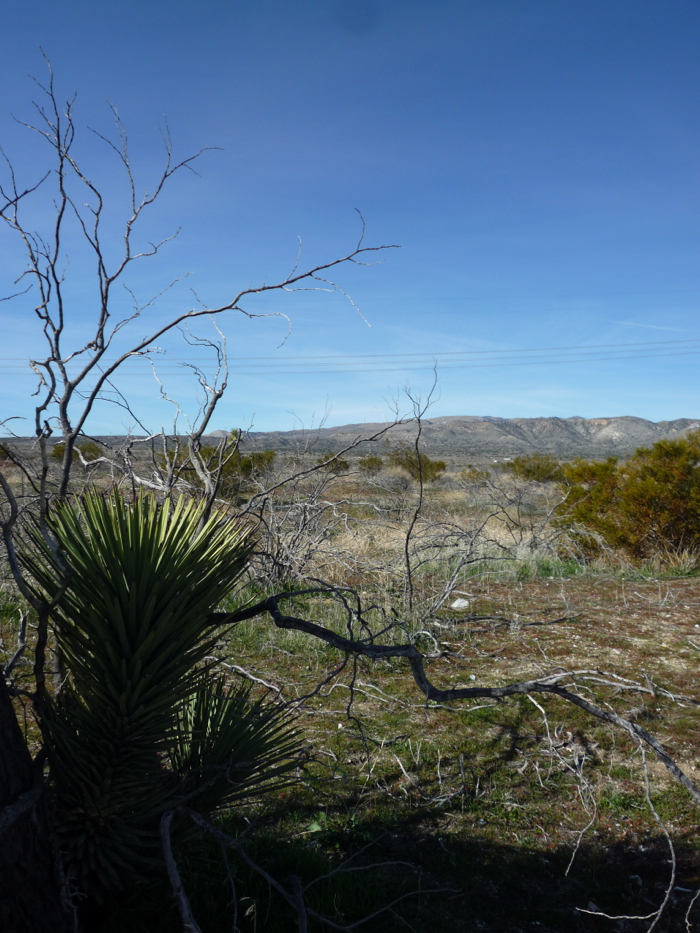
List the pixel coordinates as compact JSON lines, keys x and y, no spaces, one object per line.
{"x":279,"y":368}
{"x":351,"y":358}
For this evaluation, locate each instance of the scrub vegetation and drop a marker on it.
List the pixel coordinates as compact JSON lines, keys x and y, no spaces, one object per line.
{"x":438,"y":804}
{"x":648,"y":507}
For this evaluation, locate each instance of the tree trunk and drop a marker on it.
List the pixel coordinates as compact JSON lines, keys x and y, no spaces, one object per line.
{"x":30,"y":890}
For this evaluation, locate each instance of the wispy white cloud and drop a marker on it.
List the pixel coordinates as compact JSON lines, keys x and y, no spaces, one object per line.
{"x":649,"y":326}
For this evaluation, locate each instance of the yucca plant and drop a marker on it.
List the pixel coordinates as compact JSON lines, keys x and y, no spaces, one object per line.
{"x":140,"y":727}
{"x":216,"y":720}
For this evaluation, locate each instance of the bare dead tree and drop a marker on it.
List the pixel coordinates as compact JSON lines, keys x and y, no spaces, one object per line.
{"x":71,"y":380}
{"x":66,"y":401}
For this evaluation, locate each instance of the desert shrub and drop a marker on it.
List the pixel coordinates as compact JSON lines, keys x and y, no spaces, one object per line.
{"x":89,"y":449}
{"x":471,"y":475}
{"x":417,"y":465}
{"x":648,"y":507}
{"x":237,"y":467}
{"x":539,"y":468}
{"x":238,"y":471}
{"x":241,"y":469}
{"x":333,"y":466}
{"x":370,"y":464}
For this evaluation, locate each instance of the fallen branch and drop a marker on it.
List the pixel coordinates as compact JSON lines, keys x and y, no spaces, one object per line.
{"x":367,"y":647}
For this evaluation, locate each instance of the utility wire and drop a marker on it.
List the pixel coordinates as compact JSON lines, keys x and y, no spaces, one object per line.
{"x":395,"y":362}
{"x":356,"y":356}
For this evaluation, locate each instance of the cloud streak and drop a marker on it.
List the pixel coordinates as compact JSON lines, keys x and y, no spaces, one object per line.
{"x":678,"y":330}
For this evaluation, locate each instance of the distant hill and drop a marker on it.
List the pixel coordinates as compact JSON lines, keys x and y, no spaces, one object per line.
{"x":496,"y":438}
{"x":474,"y":438}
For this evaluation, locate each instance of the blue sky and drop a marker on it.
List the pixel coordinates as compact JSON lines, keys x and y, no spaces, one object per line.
{"x":538,"y":163}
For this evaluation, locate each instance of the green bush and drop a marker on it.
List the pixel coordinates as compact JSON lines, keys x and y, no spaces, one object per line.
{"x":539,"y":468}
{"x":238,"y":470}
{"x":647,"y":507}
{"x":89,"y":449}
{"x":333,"y":466}
{"x":416,"y":464}
{"x":370,"y":464}
{"x":241,"y":469}
{"x":470,"y":474}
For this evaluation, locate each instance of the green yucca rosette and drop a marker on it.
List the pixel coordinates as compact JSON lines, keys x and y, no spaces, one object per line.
{"x":139,"y":728}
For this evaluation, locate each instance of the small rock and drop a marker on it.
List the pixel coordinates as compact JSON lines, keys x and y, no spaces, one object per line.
{"x":460,"y":604}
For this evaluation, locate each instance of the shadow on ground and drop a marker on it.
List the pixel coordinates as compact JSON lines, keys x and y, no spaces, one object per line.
{"x":478,"y":885}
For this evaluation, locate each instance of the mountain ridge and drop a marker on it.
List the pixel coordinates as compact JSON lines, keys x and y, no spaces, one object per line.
{"x":492,"y":436}
{"x":480,"y":438}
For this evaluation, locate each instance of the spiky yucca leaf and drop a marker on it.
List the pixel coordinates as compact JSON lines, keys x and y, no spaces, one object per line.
{"x":228,"y":747}
{"x":144,"y":577}
{"x":132,"y":627}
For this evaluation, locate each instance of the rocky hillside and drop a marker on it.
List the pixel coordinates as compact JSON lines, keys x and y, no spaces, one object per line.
{"x":472,"y":438}
{"x":497,"y":438}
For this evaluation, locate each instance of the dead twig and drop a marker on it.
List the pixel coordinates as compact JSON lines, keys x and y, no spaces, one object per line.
{"x":188,"y":922}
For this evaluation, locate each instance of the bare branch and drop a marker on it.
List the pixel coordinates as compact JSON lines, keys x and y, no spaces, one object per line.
{"x":15,"y":811}
{"x":188,"y":922}
{"x":9,"y":815}
{"x":655,"y":915}
{"x":21,"y":645}
{"x":551,"y":683}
